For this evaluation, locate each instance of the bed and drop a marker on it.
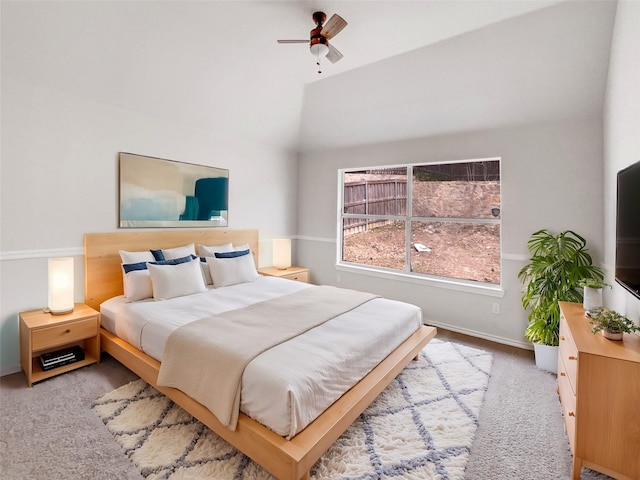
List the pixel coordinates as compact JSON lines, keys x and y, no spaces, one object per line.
{"x":284,"y":458}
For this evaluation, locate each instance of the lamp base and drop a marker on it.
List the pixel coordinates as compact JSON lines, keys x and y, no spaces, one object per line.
{"x":60,"y":312}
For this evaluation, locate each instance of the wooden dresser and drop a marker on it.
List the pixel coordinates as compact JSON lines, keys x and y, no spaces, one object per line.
{"x":599,"y":387}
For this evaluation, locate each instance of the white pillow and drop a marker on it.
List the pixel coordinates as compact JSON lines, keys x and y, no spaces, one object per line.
{"x":204,"y":269}
{"x":238,"y":248}
{"x":231,"y":271}
{"x":210,"y":250}
{"x":137,"y":285}
{"x":171,"y":281}
{"x":136,"y":257}
{"x":178,"y":252}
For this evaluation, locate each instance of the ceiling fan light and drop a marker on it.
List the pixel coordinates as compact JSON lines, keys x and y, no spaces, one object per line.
{"x":319,"y":50}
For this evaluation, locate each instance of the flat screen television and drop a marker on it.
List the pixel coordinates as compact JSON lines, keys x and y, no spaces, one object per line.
{"x":628,"y":229}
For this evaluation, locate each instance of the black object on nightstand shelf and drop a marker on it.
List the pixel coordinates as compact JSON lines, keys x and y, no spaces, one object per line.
{"x":61,"y":357}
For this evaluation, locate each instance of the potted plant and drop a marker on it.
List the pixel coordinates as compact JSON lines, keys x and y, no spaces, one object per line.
{"x":557,"y":264}
{"x":611,"y":324}
{"x":592,"y":293}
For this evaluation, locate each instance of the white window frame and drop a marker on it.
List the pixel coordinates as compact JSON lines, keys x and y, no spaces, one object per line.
{"x":407,"y":275}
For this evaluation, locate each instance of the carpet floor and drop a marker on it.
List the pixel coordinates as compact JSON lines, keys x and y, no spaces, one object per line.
{"x":50,"y":432}
{"x":420,"y":427}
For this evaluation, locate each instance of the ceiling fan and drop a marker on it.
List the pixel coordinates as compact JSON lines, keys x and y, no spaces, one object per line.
{"x":319,"y":37}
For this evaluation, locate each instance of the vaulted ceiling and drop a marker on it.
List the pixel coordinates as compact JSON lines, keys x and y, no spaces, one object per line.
{"x":216,"y":65}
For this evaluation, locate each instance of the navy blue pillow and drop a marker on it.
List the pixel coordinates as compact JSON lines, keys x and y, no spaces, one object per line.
{"x":130,"y":267}
{"x":175,"y":261}
{"x":158,"y":255}
{"x":237,"y":253}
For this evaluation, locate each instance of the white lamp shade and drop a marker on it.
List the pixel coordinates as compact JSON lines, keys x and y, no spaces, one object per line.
{"x":282,"y":253}
{"x":61,"y":285}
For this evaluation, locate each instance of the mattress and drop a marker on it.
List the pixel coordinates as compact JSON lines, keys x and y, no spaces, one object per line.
{"x":288,"y":386}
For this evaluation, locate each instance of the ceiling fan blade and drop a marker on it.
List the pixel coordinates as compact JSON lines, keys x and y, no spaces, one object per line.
{"x":334,"y":26}
{"x":334,"y":54}
{"x":293,"y":41}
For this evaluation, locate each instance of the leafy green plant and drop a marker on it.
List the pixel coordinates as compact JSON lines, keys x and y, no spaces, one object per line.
{"x":557,"y":264}
{"x":611,"y":321}
{"x":592,"y":283}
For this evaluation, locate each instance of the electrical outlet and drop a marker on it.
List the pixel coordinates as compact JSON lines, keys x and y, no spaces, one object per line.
{"x":495,"y":308}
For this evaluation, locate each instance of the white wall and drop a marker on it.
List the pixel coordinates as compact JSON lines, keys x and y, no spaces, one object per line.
{"x":82,"y":81}
{"x":59,"y":180}
{"x":621,"y":136}
{"x":529,"y":90}
{"x":551,"y":178}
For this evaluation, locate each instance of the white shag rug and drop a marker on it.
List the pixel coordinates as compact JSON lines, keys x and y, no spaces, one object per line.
{"x":420,"y":427}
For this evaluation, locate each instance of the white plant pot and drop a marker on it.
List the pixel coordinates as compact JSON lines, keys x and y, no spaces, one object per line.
{"x":592,"y":298}
{"x":546,"y":357}
{"x":612,"y":335}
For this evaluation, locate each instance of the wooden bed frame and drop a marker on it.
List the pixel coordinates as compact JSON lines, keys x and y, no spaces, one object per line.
{"x":285,"y":459}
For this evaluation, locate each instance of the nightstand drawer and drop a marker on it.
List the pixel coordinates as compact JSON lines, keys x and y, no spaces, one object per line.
{"x":299,"y":276}
{"x":49,"y":337}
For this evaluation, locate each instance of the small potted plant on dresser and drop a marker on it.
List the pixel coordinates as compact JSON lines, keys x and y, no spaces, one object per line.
{"x":557,"y":264}
{"x":592,"y":293}
{"x":611,"y":324}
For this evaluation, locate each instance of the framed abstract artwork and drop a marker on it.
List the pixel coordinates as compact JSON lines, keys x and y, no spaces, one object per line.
{"x":155,"y":192}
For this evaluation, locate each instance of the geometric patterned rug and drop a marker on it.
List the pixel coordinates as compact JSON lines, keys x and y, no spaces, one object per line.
{"x":421,"y":427}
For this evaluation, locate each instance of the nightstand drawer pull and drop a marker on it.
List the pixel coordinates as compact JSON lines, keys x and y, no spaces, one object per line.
{"x":573,"y":357}
{"x":68,"y":330}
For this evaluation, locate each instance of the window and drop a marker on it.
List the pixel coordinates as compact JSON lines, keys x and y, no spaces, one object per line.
{"x":429,"y":220}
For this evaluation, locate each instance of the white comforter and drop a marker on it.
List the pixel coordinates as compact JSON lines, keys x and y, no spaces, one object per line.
{"x":288,"y":386}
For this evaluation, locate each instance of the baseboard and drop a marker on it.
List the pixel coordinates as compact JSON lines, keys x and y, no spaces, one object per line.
{"x":484,"y":336}
{"x":10,"y":370}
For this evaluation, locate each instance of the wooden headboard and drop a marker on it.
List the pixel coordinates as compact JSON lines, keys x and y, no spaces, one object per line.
{"x":102,"y":264}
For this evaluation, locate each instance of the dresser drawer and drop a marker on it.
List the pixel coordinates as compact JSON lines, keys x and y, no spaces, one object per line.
{"x":49,"y":337}
{"x":568,"y":402}
{"x":568,"y":355}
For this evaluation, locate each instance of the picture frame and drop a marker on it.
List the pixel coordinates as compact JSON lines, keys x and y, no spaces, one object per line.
{"x":156,"y":192}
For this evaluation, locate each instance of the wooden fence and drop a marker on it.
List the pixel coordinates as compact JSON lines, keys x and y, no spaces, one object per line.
{"x":373,"y":197}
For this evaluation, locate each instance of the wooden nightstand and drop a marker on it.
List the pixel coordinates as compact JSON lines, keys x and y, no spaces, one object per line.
{"x":41,"y":332}
{"x":300,"y":274}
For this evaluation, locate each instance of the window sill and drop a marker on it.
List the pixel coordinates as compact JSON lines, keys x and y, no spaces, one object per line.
{"x":450,"y":284}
